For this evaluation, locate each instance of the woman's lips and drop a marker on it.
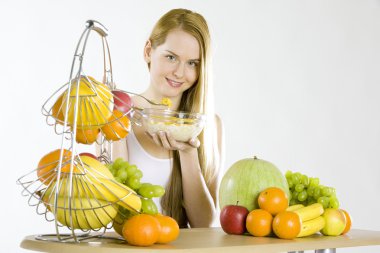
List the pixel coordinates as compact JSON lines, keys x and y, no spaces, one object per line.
{"x":174,"y":83}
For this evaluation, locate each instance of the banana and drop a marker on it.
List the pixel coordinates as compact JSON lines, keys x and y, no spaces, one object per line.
{"x":310,"y":212}
{"x":312,"y":226}
{"x":85,"y":213}
{"x":95,"y":167}
{"x":294,"y":207}
{"x":104,"y":189}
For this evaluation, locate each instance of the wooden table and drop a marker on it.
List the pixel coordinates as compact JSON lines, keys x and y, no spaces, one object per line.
{"x":212,"y":240}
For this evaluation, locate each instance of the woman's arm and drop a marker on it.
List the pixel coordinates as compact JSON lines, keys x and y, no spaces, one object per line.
{"x":200,"y":200}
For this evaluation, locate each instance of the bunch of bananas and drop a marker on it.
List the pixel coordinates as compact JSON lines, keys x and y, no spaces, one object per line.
{"x":311,"y":217}
{"x":91,"y":199}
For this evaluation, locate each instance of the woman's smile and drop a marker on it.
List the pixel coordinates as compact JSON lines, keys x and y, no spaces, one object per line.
{"x":173,"y":83}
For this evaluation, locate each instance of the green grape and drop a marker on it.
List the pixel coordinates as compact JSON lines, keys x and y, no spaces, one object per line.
{"x":324,"y":201}
{"x":299,"y":187}
{"x":138,"y":174}
{"x":304,"y":180}
{"x":131,"y":170}
{"x":146,"y":191}
{"x":310,"y":191}
{"x":148,"y":206}
{"x":314,"y":181}
{"x":310,"y":200}
{"x":290,"y":195}
{"x":119,"y":180}
{"x":134,"y":183}
{"x":327,"y":191}
{"x":290,"y":183}
{"x":118,"y":162}
{"x":122,"y":174}
{"x":295,"y":195}
{"x":317,"y":192}
{"x":296,"y":178}
{"x":288,"y":174}
{"x":158,"y":190}
{"x":145,"y":184}
{"x":334,"y":203}
{"x":302,"y":195}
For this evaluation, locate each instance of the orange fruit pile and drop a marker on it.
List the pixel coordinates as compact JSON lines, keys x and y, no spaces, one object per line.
{"x":146,"y":230}
{"x":272,"y":216}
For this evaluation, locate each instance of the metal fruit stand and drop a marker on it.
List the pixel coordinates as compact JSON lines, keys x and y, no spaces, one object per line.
{"x":70,"y":190}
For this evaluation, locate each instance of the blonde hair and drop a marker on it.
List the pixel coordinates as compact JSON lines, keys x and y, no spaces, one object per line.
{"x":198,"y":98}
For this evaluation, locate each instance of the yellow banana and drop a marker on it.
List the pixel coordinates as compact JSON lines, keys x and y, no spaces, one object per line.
{"x":103,"y":189}
{"x":310,"y":212}
{"x":312,"y":226}
{"x":95,"y":167}
{"x":85,"y":213}
{"x":294,"y":207}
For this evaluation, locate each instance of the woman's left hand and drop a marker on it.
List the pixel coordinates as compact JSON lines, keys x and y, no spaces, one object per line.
{"x":166,"y":141}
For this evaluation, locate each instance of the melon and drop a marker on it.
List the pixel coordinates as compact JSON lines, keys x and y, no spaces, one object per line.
{"x":245,"y":179}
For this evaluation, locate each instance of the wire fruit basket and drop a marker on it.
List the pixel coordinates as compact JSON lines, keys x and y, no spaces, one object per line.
{"x":76,"y":191}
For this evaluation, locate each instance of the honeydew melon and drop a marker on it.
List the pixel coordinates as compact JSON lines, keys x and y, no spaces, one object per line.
{"x":245,"y":179}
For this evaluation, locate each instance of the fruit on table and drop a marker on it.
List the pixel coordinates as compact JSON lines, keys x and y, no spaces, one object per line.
{"x":294,"y":207}
{"x":259,"y":222}
{"x":348,"y":221}
{"x":245,"y":179}
{"x":84,"y":214}
{"x":233,"y":219}
{"x":286,"y":225}
{"x":169,"y":229}
{"x":141,"y":230}
{"x":117,"y":127}
{"x":86,"y":136}
{"x":148,"y":206}
{"x":49,"y":164}
{"x":95,"y":103}
{"x":310,"y":212}
{"x":311,"y":227}
{"x":308,"y":190}
{"x":335,"y":222}
{"x":122,"y":100}
{"x":273,"y":200}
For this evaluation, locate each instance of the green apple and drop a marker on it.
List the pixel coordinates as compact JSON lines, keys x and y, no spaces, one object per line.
{"x":335,"y":222}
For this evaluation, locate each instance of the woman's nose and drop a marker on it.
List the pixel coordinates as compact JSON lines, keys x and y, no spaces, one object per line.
{"x":179,"y":71}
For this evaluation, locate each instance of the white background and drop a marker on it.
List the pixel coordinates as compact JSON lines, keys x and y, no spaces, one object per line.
{"x":296,"y":83}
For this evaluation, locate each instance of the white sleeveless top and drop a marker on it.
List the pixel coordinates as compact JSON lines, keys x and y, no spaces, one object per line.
{"x":155,"y":170}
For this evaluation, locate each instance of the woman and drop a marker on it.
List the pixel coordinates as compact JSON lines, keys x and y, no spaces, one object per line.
{"x":178,"y":57}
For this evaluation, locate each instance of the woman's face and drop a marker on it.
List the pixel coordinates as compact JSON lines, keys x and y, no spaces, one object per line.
{"x":174,"y":65}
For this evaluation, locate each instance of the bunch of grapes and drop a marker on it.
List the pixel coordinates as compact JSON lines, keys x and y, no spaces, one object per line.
{"x":130,"y":175}
{"x":307,"y":191}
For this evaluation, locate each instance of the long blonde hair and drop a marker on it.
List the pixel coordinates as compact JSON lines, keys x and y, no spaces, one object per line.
{"x":198,"y":98}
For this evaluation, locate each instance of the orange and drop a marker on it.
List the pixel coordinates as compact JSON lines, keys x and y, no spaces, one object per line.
{"x":273,"y":200}
{"x":87,"y":136}
{"x":49,"y":162}
{"x":117,"y":128}
{"x":348,"y":221}
{"x":259,"y":222}
{"x":169,"y":229}
{"x":141,"y":230}
{"x":286,"y":225}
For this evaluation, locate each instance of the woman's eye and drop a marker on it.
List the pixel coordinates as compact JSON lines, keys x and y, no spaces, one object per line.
{"x":171,"y":57}
{"x":193,"y":64}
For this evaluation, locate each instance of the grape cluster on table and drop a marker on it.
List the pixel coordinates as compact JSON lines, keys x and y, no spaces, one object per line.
{"x":308,"y":190}
{"x":130,"y":175}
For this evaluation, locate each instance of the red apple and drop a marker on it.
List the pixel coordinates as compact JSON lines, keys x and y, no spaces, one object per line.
{"x":88,"y":154}
{"x":232,"y":219}
{"x":122,"y":101}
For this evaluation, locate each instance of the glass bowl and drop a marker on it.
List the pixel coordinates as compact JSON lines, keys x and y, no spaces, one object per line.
{"x":182,"y":126}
